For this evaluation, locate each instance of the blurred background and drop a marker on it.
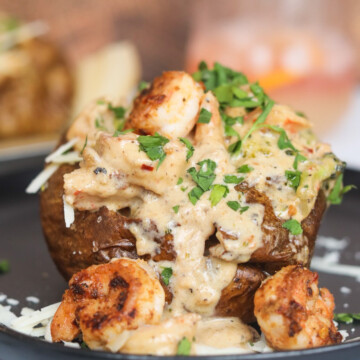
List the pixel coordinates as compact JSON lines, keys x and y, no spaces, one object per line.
{"x":56,"y":56}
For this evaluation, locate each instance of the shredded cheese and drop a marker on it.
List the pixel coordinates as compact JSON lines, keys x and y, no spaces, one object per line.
{"x":69,"y":213}
{"x":61,"y":149}
{"x":41,"y":179}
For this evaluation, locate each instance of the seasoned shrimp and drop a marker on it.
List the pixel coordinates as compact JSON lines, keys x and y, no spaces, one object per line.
{"x":293,"y":313}
{"x":105,"y":301}
{"x":169,"y":107}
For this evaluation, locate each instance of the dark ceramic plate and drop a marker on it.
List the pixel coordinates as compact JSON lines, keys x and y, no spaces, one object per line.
{"x":33,"y":273}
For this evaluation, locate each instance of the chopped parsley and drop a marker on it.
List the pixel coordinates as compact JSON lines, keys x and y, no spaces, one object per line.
{"x":189,"y":146}
{"x":217,"y":193}
{"x":338,"y":191}
{"x":243,"y":209}
{"x":143,"y":85}
{"x":4,"y":266}
{"x":101,"y":102}
{"x":85,"y":144}
{"x":234,"y":205}
{"x":232,"y":179}
{"x":230,"y":121}
{"x":180,"y":181}
{"x":244,"y":169}
{"x":204,"y":116}
{"x":298,"y":157}
{"x":166,"y":275}
{"x":176,"y":209}
{"x":184,"y":347}
{"x":118,"y":133}
{"x":261,"y":119}
{"x":206,"y":174}
{"x":195,"y":194}
{"x":99,"y":123}
{"x":293,"y":226}
{"x":235,"y":147}
{"x":300,"y":113}
{"x":153,"y":146}
{"x":230,"y":131}
{"x":183,"y":188}
{"x":83,"y":345}
{"x":293,"y":177}
{"x":346,"y":318}
{"x":118,"y":111}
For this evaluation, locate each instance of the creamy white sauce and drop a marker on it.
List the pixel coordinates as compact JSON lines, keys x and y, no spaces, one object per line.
{"x":128,"y":178}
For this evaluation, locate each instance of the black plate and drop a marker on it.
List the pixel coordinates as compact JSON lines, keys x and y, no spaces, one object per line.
{"x":33,"y":273}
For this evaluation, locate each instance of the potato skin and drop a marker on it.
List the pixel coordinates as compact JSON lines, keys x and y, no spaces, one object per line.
{"x":93,"y":238}
{"x":277,"y":250}
{"x":237,"y":299}
{"x":96,"y":237}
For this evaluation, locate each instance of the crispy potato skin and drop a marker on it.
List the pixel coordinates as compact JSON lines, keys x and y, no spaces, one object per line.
{"x":96,"y":237}
{"x":237,"y":299}
{"x":93,"y":238}
{"x":277,"y":250}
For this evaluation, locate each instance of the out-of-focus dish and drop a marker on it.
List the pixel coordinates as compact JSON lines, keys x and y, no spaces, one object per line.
{"x":203,"y":189}
{"x":36,"y":85}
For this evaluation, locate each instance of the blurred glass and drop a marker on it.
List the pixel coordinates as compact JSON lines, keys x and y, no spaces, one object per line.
{"x":297,"y":49}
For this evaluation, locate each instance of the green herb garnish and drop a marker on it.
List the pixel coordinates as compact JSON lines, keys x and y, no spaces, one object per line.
{"x":118,"y":111}
{"x":229,"y":131}
{"x":217,"y":193}
{"x":189,"y":146}
{"x":180,"y":181}
{"x":118,"y":133}
{"x":346,"y":318}
{"x":184,"y":347}
{"x":83,"y":148}
{"x":99,"y":123}
{"x":204,"y":116}
{"x":143,"y":85}
{"x":205,"y":176}
{"x":298,"y":157}
{"x":243,"y":209}
{"x":235,"y":147}
{"x":338,"y":191}
{"x":232,"y":179}
{"x":244,"y":169}
{"x":293,"y":226}
{"x":195,"y":194}
{"x":153,"y":146}
{"x":166,"y":275}
{"x":4,"y":266}
{"x":176,"y":209}
{"x":293,"y":177}
{"x":234,"y":205}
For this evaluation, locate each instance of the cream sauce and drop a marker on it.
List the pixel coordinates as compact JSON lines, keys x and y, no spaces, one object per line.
{"x":128,"y":178}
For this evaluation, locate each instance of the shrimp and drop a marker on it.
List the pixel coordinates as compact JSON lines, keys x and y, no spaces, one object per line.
{"x":212,"y":130}
{"x":105,"y":301}
{"x":293,"y":313}
{"x":169,"y":107}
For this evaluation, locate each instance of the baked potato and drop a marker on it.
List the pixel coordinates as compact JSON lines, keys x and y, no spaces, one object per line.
{"x":275,"y":182}
{"x":36,"y":86}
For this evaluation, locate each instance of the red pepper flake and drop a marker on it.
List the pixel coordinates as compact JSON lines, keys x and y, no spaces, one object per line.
{"x":147,"y":167}
{"x":309,"y":150}
{"x":77,"y":192}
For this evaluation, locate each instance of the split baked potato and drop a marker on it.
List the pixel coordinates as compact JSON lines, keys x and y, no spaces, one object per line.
{"x":284,"y":207}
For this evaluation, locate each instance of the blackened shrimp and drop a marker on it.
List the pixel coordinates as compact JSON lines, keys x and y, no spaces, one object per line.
{"x":293,"y":313}
{"x":105,"y":301}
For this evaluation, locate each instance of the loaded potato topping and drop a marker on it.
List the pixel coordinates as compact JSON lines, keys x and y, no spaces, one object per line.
{"x":211,"y":174}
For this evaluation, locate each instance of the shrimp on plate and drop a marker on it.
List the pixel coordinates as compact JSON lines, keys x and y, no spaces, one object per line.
{"x":104,"y":302}
{"x":293,"y":313}
{"x":169,"y":107}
